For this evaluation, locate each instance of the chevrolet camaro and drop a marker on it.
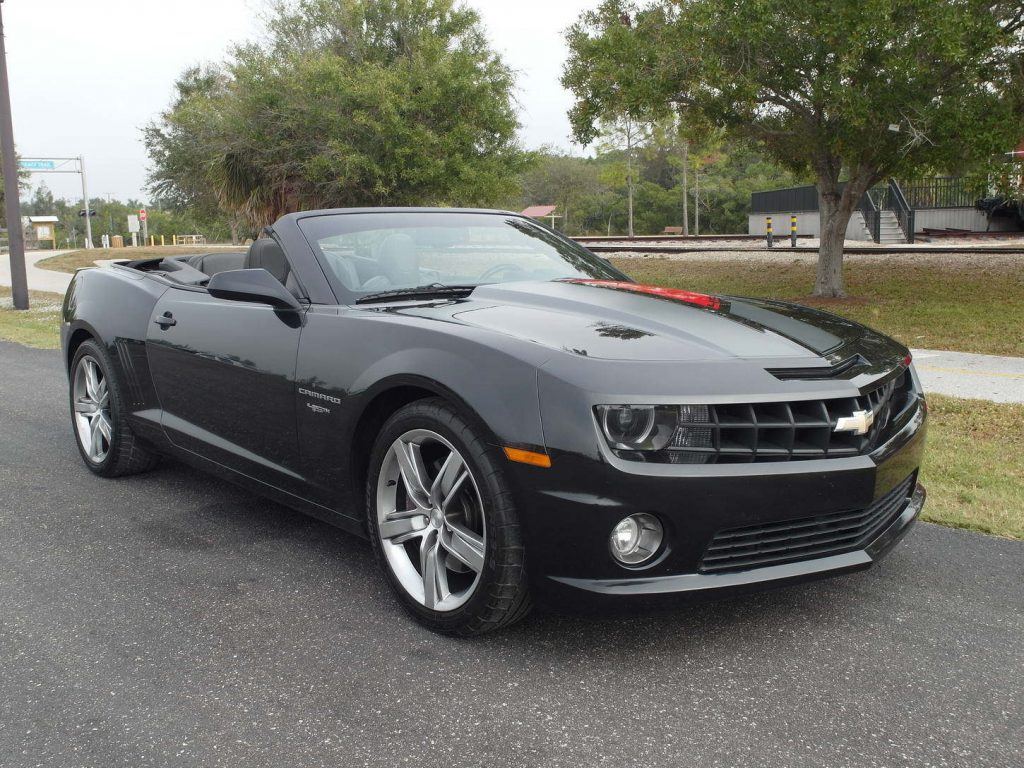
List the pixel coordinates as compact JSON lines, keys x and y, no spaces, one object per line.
{"x":506,"y":416}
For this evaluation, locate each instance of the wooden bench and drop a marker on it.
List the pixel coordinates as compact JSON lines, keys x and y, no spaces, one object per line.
{"x":673,"y":231}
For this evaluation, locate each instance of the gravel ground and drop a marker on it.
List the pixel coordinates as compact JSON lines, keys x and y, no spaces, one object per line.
{"x":785,"y":256}
{"x":952,"y":244}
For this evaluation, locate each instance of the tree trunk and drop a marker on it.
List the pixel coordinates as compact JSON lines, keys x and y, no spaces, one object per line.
{"x":835,"y":208}
{"x":686,"y":187}
{"x":829,"y":281}
{"x":629,"y":188}
{"x":233,"y":225}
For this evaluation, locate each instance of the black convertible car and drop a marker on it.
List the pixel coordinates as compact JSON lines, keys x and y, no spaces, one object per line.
{"x":505,"y":415}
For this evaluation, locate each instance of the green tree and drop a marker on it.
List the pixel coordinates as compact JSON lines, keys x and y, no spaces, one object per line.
{"x":565,"y":181}
{"x":345,"y":103}
{"x":625,"y":134}
{"x":41,"y":203}
{"x":183,"y":151}
{"x":816,"y":83}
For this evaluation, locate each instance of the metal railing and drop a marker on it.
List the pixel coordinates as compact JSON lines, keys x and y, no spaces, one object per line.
{"x":872,"y":216}
{"x":938,"y":192}
{"x":943,"y":192}
{"x":896,"y":202}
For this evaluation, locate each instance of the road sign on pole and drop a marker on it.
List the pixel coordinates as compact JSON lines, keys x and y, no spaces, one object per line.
{"x":143,"y":215}
{"x":15,"y":235}
{"x":38,"y":165}
{"x":63,"y":165}
{"x":144,"y":218}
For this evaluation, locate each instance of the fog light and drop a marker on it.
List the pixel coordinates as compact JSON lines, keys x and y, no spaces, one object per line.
{"x":636,"y":539}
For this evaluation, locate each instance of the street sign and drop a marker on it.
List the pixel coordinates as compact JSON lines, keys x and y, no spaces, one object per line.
{"x":133,"y":224}
{"x":143,"y":216}
{"x":37,"y":165}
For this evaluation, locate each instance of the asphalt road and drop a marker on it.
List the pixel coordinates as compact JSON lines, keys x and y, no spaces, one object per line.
{"x":172,"y":619}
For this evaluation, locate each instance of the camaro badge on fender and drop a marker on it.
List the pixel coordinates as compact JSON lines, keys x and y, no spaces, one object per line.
{"x":859,"y":423}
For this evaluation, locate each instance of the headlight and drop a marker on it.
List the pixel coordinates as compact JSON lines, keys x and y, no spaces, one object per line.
{"x":682,"y":431}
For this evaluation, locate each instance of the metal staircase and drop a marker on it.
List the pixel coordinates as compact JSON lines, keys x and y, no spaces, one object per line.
{"x":887,"y":216}
{"x":889,"y":230}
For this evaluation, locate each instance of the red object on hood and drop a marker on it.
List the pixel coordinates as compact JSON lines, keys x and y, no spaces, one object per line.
{"x":675,"y":294}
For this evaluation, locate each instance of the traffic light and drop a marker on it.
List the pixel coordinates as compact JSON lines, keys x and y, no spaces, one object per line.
{"x":81,"y":213}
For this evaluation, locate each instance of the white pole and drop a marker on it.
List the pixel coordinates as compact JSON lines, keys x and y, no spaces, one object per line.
{"x":696,"y":201}
{"x":85,"y":196}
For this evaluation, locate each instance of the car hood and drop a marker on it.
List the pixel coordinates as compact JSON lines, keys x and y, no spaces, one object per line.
{"x":628,"y":321}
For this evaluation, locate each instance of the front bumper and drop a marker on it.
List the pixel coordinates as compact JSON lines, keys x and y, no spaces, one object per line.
{"x":771,"y":576}
{"x":572,"y":507}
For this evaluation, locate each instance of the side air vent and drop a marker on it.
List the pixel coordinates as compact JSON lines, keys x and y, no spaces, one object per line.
{"x":132,"y":356}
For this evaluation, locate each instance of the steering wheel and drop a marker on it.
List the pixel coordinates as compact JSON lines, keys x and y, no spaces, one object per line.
{"x":497,"y":269}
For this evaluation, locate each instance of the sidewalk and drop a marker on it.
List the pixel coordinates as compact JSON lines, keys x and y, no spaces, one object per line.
{"x":985,"y":377}
{"x":38,"y":279}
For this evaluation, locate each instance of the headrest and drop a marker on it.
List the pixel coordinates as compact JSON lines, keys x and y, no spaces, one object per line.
{"x":398,"y":259}
{"x":266,"y":254}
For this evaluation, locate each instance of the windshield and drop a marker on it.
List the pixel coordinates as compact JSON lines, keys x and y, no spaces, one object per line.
{"x":369,"y":253}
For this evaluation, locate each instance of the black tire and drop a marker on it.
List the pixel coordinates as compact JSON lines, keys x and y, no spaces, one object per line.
{"x":125,"y":454}
{"x":501,"y":596}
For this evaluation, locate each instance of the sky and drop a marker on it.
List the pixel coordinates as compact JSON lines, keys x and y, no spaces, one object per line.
{"x":87,"y":75}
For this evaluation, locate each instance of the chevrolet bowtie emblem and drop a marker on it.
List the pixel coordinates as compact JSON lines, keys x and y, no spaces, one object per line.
{"x":859,"y":423}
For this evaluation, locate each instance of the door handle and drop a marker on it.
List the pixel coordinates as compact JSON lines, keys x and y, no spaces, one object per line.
{"x":166,"y":321}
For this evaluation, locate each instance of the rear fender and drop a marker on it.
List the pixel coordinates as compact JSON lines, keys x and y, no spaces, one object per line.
{"x":114,"y":307}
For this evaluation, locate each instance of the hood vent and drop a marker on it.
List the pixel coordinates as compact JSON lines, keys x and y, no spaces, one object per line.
{"x":839,"y":370}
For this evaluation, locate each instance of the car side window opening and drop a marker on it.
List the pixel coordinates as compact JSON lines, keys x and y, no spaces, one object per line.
{"x":196,"y":270}
{"x":373,"y":252}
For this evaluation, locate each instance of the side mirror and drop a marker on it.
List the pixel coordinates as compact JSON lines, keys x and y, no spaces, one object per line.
{"x":252,"y":285}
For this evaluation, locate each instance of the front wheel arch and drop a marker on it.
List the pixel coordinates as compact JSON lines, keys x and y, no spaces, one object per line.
{"x":387,"y":398}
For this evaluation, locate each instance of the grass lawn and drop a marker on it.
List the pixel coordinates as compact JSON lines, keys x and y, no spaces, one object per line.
{"x":970,"y":308}
{"x":73,"y":260}
{"x":974,"y":466}
{"x":38,"y":327}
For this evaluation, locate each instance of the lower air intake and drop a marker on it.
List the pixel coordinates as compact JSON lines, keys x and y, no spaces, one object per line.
{"x":808,"y":538}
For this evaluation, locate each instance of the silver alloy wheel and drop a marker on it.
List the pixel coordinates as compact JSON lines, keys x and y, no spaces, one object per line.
{"x":93,"y":422}
{"x":430,"y":519}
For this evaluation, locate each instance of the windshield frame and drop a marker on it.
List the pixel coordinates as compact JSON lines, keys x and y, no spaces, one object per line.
{"x":349,"y":297}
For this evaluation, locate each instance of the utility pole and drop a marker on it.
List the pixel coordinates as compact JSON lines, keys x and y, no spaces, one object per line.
{"x":15,"y":235}
{"x":85,"y":194}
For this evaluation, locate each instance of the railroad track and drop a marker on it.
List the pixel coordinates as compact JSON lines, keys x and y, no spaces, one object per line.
{"x":666,"y":248}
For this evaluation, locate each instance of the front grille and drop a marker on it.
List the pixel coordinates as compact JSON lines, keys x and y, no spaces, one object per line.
{"x":806,"y":538}
{"x":788,"y":431}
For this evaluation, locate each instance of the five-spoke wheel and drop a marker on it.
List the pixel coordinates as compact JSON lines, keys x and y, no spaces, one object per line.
{"x":430,"y":520}
{"x":443,"y":523}
{"x":98,"y":416}
{"x":91,"y":398}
